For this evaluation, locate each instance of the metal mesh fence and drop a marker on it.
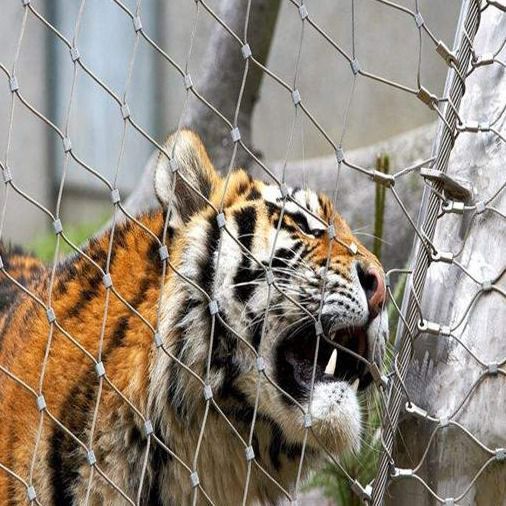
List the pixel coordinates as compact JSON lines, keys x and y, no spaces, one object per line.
{"x":443,"y":196}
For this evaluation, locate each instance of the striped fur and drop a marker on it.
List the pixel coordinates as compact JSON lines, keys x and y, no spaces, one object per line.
{"x":155,"y":383}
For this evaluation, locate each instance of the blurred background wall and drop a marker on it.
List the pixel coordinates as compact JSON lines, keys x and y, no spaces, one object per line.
{"x":386,"y":44}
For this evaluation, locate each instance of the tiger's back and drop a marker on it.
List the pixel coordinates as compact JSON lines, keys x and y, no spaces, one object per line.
{"x":70,"y":348}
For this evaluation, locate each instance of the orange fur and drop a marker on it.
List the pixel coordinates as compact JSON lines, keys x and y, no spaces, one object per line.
{"x":124,"y":342}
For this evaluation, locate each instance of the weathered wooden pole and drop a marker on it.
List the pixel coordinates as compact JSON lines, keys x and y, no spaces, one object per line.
{"x":219,"y":83}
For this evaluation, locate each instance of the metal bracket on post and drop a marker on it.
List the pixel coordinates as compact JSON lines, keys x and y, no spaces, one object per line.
{"x":456,"y":189}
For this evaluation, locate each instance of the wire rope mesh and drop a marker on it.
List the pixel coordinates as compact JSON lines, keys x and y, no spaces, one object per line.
{"x":393,"y":394}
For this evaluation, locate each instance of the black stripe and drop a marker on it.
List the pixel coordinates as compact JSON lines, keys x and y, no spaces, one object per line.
{"x":159,"y":458}
{"x":280,"y":446}
{"x":119,"y":331}
{"x":320,"y":202}
{"x":9,"y":293}
{"x":282,"y":257}
{"x":274,"y":213}
{"x":176,"y":373}
{"x":158,"y":461}
{"x":275,"y":449}
{"x":92,"y":275}
{"x":223,"y":355}
{"x":256,"y":333}
{"x":65,"y":457}
{"x":254,"y":194}
{"x":206,"y":276}
{"x":86,"y":295}
{"x":246,"y":219}
{"x":68,"y":270}
{"x":298,"y":217}
{"x":272,"y":209}
{"x":121,"y":326}
{"x":243,"y":187}
{"x":65,"y":271}
{"x":238,"y":408}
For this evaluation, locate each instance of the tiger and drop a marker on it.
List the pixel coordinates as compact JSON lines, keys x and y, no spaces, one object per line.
{"x":195,"y":354}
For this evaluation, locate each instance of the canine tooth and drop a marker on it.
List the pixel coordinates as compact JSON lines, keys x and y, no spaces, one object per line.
{"x":354,"y":385}
{"x":331,"y":365}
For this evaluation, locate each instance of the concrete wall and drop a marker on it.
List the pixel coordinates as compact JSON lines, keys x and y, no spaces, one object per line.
{"x":28,"y":155}
{"x":386,"y":44}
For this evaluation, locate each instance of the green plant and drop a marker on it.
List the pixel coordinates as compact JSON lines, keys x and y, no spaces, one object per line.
{"x":361,"y":467}
{"x":382,"y":165}
{"x":44,"y":245}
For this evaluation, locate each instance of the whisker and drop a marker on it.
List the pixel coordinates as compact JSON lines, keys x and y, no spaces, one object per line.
{"x":373,"y":236}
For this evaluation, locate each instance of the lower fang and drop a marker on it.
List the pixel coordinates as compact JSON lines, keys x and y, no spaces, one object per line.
{"x":354,"y":385}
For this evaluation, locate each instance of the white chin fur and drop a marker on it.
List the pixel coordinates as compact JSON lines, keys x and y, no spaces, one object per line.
{"x":335,"y":409}
{"x":336,"y":416}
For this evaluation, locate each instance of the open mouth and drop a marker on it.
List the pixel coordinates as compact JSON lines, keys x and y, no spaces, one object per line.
{"x":346,"y":362}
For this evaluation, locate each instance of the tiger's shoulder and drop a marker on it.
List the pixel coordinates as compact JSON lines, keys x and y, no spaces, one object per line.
{"x":19,"y":267}
{"x":19,"y":270}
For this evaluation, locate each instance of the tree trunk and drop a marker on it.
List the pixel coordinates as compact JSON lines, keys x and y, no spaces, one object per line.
{"x":444,"y":378}
{"x":221,"y":77}
{"x":219,"y":83}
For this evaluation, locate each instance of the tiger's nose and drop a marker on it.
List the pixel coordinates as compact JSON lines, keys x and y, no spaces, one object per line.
{"x":373,"y":283}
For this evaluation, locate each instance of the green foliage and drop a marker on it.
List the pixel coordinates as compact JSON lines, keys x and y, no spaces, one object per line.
{"x":44,"y":245}
{"x":361,"y":467}
{"x":382,"y":165}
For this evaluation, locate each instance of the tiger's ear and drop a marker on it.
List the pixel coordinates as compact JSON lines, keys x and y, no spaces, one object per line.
{"x":188,"y":170}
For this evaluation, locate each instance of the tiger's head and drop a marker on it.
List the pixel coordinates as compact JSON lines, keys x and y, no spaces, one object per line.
{"x":306,"y":298}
